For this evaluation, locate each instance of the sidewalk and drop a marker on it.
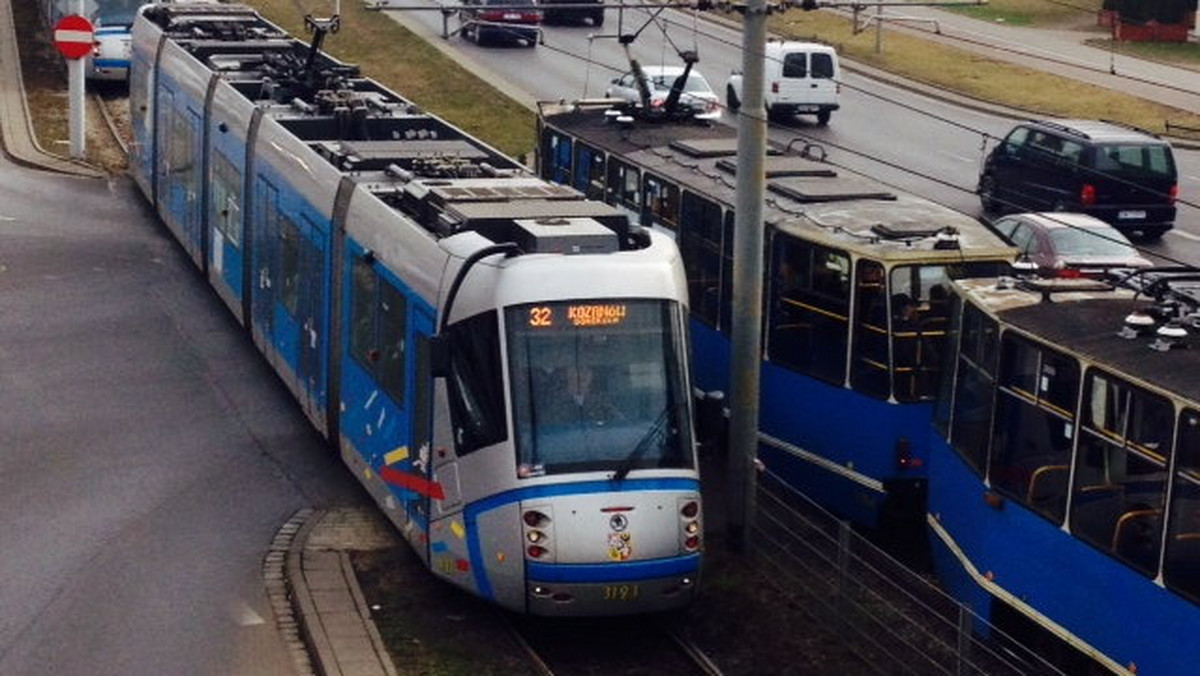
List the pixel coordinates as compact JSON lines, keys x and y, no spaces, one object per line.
{"x":319,"y":608}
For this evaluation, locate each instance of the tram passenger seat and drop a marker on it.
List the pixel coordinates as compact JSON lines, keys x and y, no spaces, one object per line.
{"x":1095,"y":511}
{"x":1136,"y":537}
{"x":1048,"y":488}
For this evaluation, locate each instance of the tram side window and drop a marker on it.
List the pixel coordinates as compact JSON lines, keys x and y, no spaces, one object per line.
{"x":809,"y":307}
{"x":975,"y":387}
{"x":182,"y":149}
{"x":700,"y":245}
{"x":1034,"y":425}
{"x":393,"y":327}
{"x":1181,"y":569}
{"x":476,"y":384}
{"x":869,"y":367}
{"x":589,"y":171}
{"x":624,"y":185}
{"x":379,"y":317}
{"x":226,"y":198}
{"x":920,"y":317}
{"x":557,"y":153}
{"x":1117,"y":498}
{"x":362,"y":315}
{"x":661,"y":202}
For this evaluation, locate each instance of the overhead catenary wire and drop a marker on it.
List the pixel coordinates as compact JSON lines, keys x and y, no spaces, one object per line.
{"x":666,"y":22}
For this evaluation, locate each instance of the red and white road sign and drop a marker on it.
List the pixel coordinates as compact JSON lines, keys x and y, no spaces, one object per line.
{"x":74,"y":36}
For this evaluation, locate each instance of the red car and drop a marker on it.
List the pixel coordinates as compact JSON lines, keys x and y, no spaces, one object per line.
{"x":1062,"y":244}
{"x":501,"y":21}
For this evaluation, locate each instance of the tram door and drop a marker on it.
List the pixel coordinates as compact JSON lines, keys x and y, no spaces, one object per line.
{"x":266,"y":198}
{"x":190,"y":140}
{"x":417,"y":507}
{"x":297,"y":290}
{"x":179,"y":174}
{"x":310,"y":313}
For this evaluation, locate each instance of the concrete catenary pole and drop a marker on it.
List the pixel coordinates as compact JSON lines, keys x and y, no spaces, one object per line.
{"x":76,"y":85}
{"x":747,"y":277}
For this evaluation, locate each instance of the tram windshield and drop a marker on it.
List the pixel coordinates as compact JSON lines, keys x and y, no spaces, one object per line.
{"x":598,"y":386}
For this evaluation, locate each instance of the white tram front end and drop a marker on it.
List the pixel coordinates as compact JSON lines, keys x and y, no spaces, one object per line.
{"x":575,"y":488}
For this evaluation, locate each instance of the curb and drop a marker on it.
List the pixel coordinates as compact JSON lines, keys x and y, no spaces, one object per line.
{"x":324,"y":618}
{"x":277,"y":567}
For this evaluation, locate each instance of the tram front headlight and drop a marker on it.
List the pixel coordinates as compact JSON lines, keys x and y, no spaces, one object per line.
{"x":535,"y":536}
{"x":692,"y":531}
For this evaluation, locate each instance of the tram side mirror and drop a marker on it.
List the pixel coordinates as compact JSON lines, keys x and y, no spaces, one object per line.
{"x":712,"y":420}
{"x":439,"y":355}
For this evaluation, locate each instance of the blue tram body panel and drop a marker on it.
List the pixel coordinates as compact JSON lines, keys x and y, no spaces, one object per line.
{"x":1019,"y":557}
{"x":414,"y":289}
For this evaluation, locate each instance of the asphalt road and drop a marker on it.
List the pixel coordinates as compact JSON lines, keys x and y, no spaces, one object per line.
{"x":148,"y":454}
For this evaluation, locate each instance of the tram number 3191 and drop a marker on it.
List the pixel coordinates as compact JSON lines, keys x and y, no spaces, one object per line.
{"x":620,"y":592}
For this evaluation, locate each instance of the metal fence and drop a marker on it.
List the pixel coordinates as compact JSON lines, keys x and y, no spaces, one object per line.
{"x":900,"y":621}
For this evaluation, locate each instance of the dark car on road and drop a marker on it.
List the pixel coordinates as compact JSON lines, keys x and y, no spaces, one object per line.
{"x":556,"y":13}
{"x":1120,"y":174}
{"x":501,"y":21}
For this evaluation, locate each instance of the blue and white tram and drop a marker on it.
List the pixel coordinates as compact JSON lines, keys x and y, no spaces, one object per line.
{"x":855,"y":310}
{"x":1065,"y":490}
{"x":113,"y":19}
{"x":502,"y":363}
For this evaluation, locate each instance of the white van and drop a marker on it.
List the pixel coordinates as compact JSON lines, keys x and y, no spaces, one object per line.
{"x":798,"y":77}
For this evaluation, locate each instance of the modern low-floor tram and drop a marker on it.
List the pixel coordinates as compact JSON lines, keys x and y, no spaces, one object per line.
{"x":502,"y":363}
{"x":1065,"y":483}
{"x":855,"y":284}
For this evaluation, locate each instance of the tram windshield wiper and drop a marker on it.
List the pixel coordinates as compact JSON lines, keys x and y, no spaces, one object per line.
{"x":652,"y":434}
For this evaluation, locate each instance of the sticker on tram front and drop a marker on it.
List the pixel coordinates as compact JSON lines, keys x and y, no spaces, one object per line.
{"x":620,"y":547}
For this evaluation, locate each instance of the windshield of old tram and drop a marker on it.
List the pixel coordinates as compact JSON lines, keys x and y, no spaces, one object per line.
{"x":598,"y":386}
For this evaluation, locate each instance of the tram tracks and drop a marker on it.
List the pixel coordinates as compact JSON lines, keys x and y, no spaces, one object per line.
{"x":556,"y":647}
{"x":114,"y":120}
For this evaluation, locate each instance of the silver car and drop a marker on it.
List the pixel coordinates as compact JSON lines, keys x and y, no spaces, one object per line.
{"x":697,"y":93}
{"x":1062,"y":244}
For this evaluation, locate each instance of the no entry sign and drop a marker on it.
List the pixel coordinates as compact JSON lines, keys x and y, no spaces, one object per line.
{"x":74,"y":36}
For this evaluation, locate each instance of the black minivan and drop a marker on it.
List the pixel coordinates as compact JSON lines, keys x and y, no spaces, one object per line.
{"x":1117,"y":173}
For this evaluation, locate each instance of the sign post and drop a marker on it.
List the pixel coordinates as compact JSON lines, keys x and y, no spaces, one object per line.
{"x":74,"y":37}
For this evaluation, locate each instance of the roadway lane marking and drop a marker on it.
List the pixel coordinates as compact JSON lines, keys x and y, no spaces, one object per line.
{"x":1185,"y":235}
{"x":245,"y":616}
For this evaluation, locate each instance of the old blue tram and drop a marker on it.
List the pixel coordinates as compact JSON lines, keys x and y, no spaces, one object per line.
{"x":855,"y":314}
{"x":501,"y":362}
{"x":1065,"y":484}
